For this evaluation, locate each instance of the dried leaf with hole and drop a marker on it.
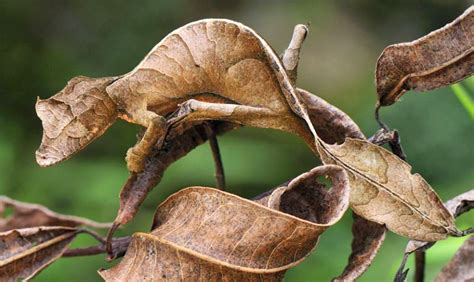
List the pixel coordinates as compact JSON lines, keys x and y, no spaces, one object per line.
{"x":461,"y":266}
{"x":31,"y":215}
{"x":25,"y":252}
{"x":333,"y":126}
{"x":438,"y":59}
{"x":385,"y":191}
{"x":204,"y":233}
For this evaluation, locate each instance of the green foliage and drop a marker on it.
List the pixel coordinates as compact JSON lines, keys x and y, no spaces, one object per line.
{"x":466,"y":101}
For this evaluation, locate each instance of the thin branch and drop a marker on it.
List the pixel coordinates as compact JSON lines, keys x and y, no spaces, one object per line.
{"x":216,"y":155}
{"x":420,"y":266}
{"x":109,"y":241}
{"x":118,"y":248}
{"x":94,"y":234}
{"x":396,"y":146}
{"x":401,"y":275}
{"x":377,"y":117}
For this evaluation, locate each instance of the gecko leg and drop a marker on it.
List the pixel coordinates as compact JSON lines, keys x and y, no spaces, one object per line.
{"x":194,"y":110}
{"x":156,"y":128}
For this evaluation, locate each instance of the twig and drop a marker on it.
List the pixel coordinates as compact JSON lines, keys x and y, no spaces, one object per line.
{"x":216,"y":155}
{"x":109,"y":241}
{"x":291,"y":56}
{"x":118,"y":248}
{"x":420,"y":256}
{"x":94,"y":234}
{"x":382,"y":137}
{"x":396,"y":146}
{"x":377,"y":117}
{"x":401,"y":275}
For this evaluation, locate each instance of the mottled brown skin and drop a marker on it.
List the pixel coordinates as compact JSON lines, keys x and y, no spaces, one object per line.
{"x":206,"y":70}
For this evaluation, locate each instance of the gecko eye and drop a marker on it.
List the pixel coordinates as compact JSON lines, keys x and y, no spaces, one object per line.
{"x":73,"y":118}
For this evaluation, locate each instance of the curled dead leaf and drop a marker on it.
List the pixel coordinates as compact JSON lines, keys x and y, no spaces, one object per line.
{"x":438,"y":59}
{"x":25,"y":252}
{"x":204,"y":233}
{"x":31,"y":215}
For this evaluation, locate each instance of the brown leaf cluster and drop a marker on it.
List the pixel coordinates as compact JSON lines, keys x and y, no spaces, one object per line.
{"x":221,"y":73}
{"x":206,"y":234}
{"x":25,"y":252}
{"x":33,"y":237}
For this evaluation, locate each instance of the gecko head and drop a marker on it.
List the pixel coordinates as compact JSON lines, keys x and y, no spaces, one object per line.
{"x":74,"y":117}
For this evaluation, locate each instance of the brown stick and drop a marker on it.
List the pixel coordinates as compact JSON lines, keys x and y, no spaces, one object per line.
{"x":419,"y":266}
{"x":216,"y":155}
{"x":118,"y":248}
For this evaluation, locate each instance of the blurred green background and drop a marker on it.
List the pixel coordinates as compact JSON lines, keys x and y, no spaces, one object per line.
{"x":45,"y":43}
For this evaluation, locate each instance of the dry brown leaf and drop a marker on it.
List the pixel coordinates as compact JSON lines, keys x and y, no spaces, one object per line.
{"x":334,"y":126}
{"x":385,"y":191}
{"x":73,"y":118}
{"x":438,"y":59}
{"x":31,"y":215}
{"x":368,"y":237}
{"x":461,"y":266}
{"x":25,"y":252}
{"x":461,"y":204}
{"x":331,"y":124}
{"x":456,"y":206}
{"x":204,"y":233}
